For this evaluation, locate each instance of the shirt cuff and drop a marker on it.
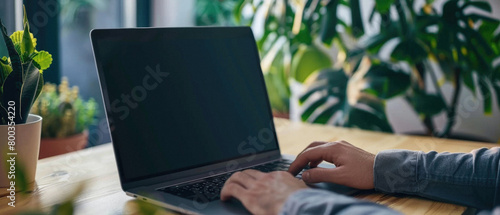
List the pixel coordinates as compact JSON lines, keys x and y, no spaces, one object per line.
{"x":310,"y":201}
{"x":395,"y":171}
{"x":314,"y":201}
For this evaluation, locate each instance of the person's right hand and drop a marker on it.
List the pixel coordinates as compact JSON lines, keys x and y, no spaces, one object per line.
{"x":354,"y":165}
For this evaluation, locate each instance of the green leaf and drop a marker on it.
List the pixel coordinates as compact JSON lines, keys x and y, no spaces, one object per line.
{"x":5,"y":70}
{"x":486,"y":46}
{"x":468,"y":80}
{"x":487,"y":30}
{"x":326,"y":114}
{"x":329,"y":23}
{"x":13,"y":82}
{"x":410,"y":51}
{"x":17,"y":38}
{"x":330,"y":84}
{"x":309,"y":110}
{"x":29,"y":88}
{"x":384,"y":82}
{"x":27,"y":46}
{"x":304,"y":36}
{"x":450,"y":13}
{"x":363,"y":119}
{"x":383,"y":6}
{"x":39,"y":88}
{"x":307,"y":60}
{"x":374,"y":43}
{"x":427,"y":104}
{"x":356,"y":18}
{"x":238,"y":9}
{"x":43,"y":59}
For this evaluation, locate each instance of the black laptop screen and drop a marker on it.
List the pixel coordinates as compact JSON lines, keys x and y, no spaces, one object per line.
{"x":182,"y":98}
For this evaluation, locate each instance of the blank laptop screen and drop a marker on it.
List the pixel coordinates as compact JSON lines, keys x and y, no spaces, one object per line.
{"x":182,"y":98}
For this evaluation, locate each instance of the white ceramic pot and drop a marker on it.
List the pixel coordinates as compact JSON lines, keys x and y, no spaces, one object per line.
{"x":27,"y":146}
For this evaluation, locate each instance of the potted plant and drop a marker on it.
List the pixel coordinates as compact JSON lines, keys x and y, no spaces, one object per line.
{"x":66,"y":118}
{"x":21,"y":82}
{"x":415,"y":46}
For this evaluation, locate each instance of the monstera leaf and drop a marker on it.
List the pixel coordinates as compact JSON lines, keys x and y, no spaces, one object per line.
{"x":383,"y":6}
{"x":409,"y":51}
{"x":385,"y":82}
{"x":325,"y":96}
{"x":368,"y":113}
{"x":329,"y":23}
{"x":326,"y":101}
{"x":427,"y":104}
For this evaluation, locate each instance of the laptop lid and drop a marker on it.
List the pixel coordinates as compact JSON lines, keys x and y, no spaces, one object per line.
{"x":180,"y":101}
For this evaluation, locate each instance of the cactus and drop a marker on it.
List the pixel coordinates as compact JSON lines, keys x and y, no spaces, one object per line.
{"x":21,"y":74}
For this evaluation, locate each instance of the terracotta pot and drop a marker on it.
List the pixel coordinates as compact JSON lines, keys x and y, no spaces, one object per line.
{"x":56,"y":146}
{"x":27,"y":144}
{"x":281,"y":115}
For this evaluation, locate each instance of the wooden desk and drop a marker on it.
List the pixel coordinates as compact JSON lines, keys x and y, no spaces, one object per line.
{"x":57,"y":176}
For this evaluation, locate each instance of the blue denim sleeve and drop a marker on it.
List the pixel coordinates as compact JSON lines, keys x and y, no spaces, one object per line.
{"x":313,"y":201}
{"x":471,"y":179}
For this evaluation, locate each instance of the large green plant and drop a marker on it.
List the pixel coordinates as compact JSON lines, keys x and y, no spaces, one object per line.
{"x":21,"y":79}
{"x":353,"y":92}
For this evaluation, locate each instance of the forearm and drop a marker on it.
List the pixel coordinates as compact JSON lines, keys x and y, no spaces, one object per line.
{"x":312,"y":201}
{"x":465,"y":178}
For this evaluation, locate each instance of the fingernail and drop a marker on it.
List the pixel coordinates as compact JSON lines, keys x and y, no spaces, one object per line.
{"x":305,"y":176}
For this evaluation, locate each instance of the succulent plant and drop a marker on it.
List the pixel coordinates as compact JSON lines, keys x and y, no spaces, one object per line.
{"x":64,"y":113}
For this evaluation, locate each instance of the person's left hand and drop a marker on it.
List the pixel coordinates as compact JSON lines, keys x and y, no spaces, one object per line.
{"x":261,"y":193}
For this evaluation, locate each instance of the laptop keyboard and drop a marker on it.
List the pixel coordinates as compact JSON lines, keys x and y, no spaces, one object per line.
{"x":208,"y":189}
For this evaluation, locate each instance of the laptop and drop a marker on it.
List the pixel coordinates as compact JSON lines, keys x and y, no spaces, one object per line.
{"x":186,"y":108}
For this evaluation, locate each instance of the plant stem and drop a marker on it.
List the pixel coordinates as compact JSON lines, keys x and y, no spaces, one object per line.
{"x":428,"y":123}
{"x":436,"y":85}
{"x":453,"y":106}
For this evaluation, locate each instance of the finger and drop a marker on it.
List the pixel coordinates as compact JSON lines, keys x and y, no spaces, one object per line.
{"x":314,"y":164}
{"x":254,"y":173}
{"x":314,"y":155}
{"x":313,"y":144}
{"x":233,"y":190}
{"x":241,"y":178}
{"x":317,"y":175}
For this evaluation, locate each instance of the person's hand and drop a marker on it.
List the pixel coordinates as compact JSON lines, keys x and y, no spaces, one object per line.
{"x":261,"y":193}
{"x":354,"y":165}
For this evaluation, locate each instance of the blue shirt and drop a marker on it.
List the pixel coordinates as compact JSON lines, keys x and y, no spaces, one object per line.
{"x":470,"y":179}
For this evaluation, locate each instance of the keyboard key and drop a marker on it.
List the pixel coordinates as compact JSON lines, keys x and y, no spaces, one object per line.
{"x":209,"y":189}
